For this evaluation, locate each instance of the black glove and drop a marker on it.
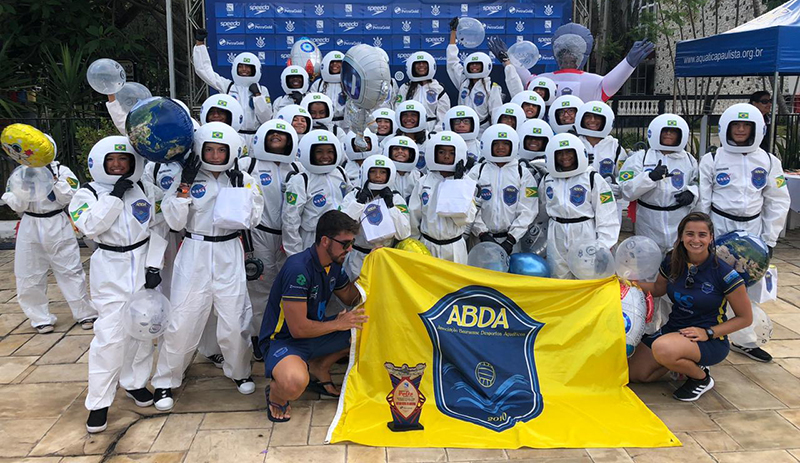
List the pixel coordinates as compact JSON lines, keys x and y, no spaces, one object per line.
{"x":254,"y":89}
{"x":191,"y":166}
{"x":454,"y":23}
{"x":769,"y":251}
{"x":363,"y":196}
{"x":152,"y":278}
{"x":485,"y":237}
{"x":507,"y":245}
{"x":200,"y":35}
{"x":236,"y":177}
{"x":498,"y":47}
{"x":388,"y":197}
{"x":297,"y":97}
{"x":470,"y":163}
{"x":684,"y":198}
{"x":121,"y":186}
{"x":659,"y":172}
{"x":461,"y":169}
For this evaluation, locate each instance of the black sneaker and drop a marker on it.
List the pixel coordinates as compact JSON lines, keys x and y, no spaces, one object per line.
{"x":257,"y":355}
{"x":163,"y":399}
{"x":245,"y":386}
{"x":692,"y":389}
{"x":758,"y":354}
{"x":98,"y":420}
{"x":141,"y":397}
{"x":217,"y":360}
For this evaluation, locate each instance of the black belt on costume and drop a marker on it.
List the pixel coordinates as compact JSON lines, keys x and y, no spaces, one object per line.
{"x":174,"y":231}
{"x":442,"y":242}
{"x":362,"y":250}
{"x":247,"y":132}
{"x":338,"y":118}
{"x":645,"y":205}
{"x":735,"y":218}
{"x":44,"y":215}
{"x":123,"y":248}
{"x":268,"y":230}
{"x":576,"y":220}
{"x":430,"y":119}
{"x":212,"y":239}
{"x":499,"y":235}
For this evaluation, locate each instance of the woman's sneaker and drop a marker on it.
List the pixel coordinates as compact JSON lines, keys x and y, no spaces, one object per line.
{"x":692,"y":389}
{"x":756,"y":353}
{"x":217,"y":360}
{"x":44,"y":329}
{"x":141,"y":397}
{"x":98,"y":420}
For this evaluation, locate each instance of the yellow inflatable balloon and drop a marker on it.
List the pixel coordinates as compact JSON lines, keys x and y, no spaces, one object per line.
{"x":412,"y":245}
{"x":27,"y":145}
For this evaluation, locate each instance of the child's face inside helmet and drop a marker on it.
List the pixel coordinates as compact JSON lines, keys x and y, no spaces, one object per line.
{"x":218,"y":115}
{"x":378,"y":175}
{"x":475,"y":68}
{"x":276,"y":141}
{"x":593,"y":121}
{"x":323,"y":155}
{"x":318,"y":110}
{"x":566,"y":160}
{"x":501,"y":148}
{"x":543,"y":92}
{"x":215,"y":153}
{"x":335,"y":67}
{"x":670,"y":137}
{"x":409,"y":119}
{"x":462,"y":125}
{"x":384,"y":126}
{"x":400,"y":154}
{"x":420,"y":68}
{"x":445,"y":154}
{"x":300,"y":124}
{"x":294,"y":81}
{"x":566,"y":116}
{"x":740,"y":132}
{"x":245,"y":70}
{"x":118,"y":163}
{"x":510,"y":121}
{"x":534,"y":143}
{"x":531,"y":110}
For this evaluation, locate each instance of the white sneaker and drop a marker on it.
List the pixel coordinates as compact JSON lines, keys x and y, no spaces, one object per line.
{"x":44,"y":329}
{"x":87,"y":324}
{"x":245,"y":386}
{"x":163,"y":399}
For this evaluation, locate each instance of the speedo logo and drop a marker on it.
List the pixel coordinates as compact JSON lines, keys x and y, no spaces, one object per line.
{"x":492,"y":9}
{"x":259,"y":8}
{"x":377,"y":9}
{"x":433,"y":41}
{"x":348,"y":25}
{"x":230,"y":25}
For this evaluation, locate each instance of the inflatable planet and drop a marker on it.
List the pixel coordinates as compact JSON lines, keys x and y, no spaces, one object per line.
{"x":634,"y":314}
{"x":160,"y":130}
{"x":746,"y":253}
{"x":488,"y":255}
{"x":412,"y":245}
{"x":526,"y":263}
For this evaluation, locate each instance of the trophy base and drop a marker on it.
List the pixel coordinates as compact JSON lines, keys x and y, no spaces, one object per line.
{"x":400,"y":428}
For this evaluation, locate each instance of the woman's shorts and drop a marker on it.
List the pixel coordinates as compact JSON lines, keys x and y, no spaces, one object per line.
{"x":711,"y":352}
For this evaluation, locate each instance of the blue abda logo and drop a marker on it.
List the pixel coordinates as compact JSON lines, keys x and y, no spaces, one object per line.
{"x":483,"y":354}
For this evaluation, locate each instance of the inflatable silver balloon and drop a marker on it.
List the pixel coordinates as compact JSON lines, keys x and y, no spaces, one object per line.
{"x":130,"y":94}
{"x":306,"y":54}
{"x":366,"y":80}
{"x":535,"y":240}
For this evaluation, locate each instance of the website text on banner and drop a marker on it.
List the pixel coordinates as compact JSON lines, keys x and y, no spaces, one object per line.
{"x":479,"y":359}
{"x":270,"y":29}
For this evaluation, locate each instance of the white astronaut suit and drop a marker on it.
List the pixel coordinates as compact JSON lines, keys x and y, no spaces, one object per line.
{"x":355,"y":157}
{"x":311,"y":193}
{"x":121,"y":227}
{"x":257,"y":110}
{"x":323,"y":123}
{"x":484,"y":95}
{"x":507,"y":195}
{"x":579,"y":202}
{"x":658,"y":212}
{"x":194,"y":288}
{"x":45,"y":240}
{"x":426,"y":90}
{"x":291,"y":95}
{"x":743,"y":187}
{"x":330,"y":85}
{"x":471,"y":137}
{"x":443,"y":236}
{"x":407,"y":173}
{"x":355,"y":203}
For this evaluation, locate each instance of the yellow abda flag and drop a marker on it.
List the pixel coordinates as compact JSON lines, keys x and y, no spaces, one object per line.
{"x":482,"y":359}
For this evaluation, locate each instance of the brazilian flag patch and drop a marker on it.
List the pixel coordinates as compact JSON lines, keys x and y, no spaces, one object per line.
{"x":73,"y":183}
{"x":606,"y":197}
{"x":625,"y":175}
{"x":76,"y":214}
{"x":780,"y":181}
{"x":158,"y":207}
{"x":531,"y":192}
{"x":402,"y":208}
{"x":291,"y":198}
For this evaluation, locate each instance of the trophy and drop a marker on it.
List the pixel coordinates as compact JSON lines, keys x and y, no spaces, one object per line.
{"x":405,"y":399}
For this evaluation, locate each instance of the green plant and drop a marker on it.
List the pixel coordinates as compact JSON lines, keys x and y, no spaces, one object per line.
{"x":86,"y":136}
{"x":10,"y":80}
{"x":64,"y":88}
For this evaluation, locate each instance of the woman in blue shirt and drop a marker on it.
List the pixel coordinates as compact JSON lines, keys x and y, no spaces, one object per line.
{"x":696,"y":334}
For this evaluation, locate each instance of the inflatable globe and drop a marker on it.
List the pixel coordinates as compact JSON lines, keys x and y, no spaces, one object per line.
{"x":638,"y":258}
{"x":160,"y":130}
{"x":488,"y":255}
{"x":529,"y":264}
{"x":590,"y":260}
{"x":634,"y":314}
{"x":412,"y":245}
{"x":746,"y":253}
{"x":146,"y":315}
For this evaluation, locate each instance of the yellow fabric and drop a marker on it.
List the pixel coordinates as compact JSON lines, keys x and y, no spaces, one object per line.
{"x":579,"y":353}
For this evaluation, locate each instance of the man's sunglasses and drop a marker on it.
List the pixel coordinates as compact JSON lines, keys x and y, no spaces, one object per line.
{"x":345,"y":244}
{"x":764,"y":101}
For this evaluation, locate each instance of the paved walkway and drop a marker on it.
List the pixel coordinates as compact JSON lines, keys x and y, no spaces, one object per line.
{"x":752,"y":415}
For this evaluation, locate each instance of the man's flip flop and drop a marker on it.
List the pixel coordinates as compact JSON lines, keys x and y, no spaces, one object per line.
{"x":319,"y":387}
{"x":283,"y":409}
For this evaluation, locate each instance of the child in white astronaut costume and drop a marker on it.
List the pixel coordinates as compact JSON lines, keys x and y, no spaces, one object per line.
{"x":191,"y":204}
{"x":378,"y":173}
{"x":507,"y":192}
{"x":320,"y":108}
{"x":330,"y":84}
{"x":403,"y":152}
{"x":531,"y":103}
{"x":117,"y":212}
{"x":45,"y":240}
{"x":446,"y":155}
{"x":464,"y":121}
{"x":562,"y":113}
{"x":298,"y":118}
{"x":579,"y":202}
{"x":382,"y":123}
{"x":355,"y":155}
{"x":409,"y":120}
{"x":510,"y":114}
{"x":321,"y":187}
{"x":294,"y":82}
{"x":424,"y":88}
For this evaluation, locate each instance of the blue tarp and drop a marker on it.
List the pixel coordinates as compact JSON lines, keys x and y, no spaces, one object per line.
{"x":760,"y":47}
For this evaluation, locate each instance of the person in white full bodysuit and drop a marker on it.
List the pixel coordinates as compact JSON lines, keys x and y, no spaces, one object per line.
{"x":321,"y":187}
{"x":471,"y":79}
{"x":330,"y":84}
{"x":299,"y":119}
{"x":563,"y":112}
{"x":464,"y":121}
{"x":423,"y":87}
{"x":320,"y":108}
{"x":356,"y":155}
{"x":117,"y":212}
{"x":45,"y":240}
{"x":378,"y":173}
{"x":294,"y":82}
{"x":191,"y":204}
{"x":531,"y":103}
{"x":579,"y":202}
{"x":382,"y":123}
{"x":446,"y":155}
{"x":245,"y":87}
{"x":271,"y":163}
{"x":409,"y":120}
{"x":507,"y":192}
{"x":403,"y":152}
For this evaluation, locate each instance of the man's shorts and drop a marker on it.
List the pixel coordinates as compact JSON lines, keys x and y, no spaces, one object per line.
{"x":307,"y":348}
{"x":711,"y":352}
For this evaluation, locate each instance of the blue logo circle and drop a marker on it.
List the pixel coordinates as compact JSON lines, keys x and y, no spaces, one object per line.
{"x":91,"y":162}
{"x":486,"y":194}
{"x":627,"y":322}
{"x":266,"y":179}
{"x":198,"y":191}
{"x":723,"y":179}
{"x":307,"y":47}
{"x":319,"y":200}
{"x":166,"y":182}
{"x":549,"y":192}
{"x":425,"y":197}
